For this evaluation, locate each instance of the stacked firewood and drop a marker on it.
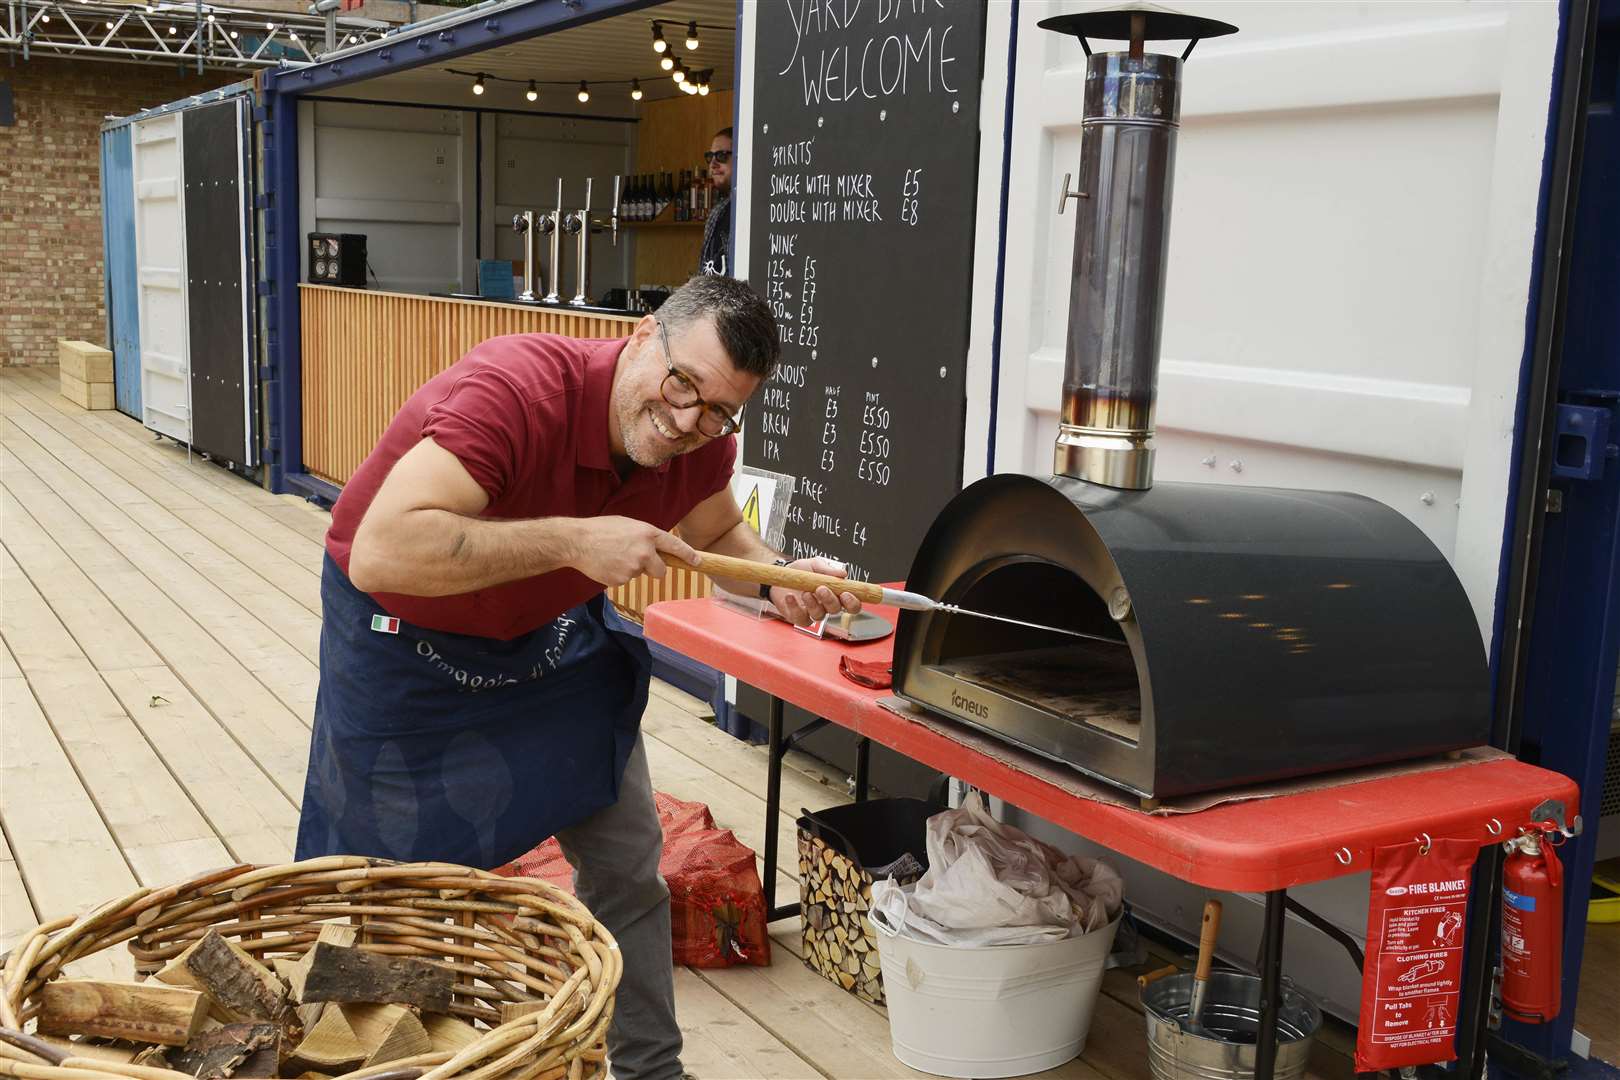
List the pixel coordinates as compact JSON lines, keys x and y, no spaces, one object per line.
{"x":216,"y":1013}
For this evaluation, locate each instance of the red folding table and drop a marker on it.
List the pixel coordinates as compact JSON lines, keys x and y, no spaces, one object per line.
{"x":1330,"y":831}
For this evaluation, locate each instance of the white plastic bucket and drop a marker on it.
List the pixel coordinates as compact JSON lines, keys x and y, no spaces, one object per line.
{"x":983,"y":1012}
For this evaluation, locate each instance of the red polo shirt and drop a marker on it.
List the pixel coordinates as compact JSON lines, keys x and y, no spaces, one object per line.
{"x":527,"y":415}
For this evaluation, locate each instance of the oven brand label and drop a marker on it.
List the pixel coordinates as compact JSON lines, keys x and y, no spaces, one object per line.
{"x":974,"y":708}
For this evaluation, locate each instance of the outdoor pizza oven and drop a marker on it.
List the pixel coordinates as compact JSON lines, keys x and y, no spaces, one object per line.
{"x":1220,"y":635}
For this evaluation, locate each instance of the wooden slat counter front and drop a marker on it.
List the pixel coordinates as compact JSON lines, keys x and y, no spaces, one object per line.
{"x":365,"y":352}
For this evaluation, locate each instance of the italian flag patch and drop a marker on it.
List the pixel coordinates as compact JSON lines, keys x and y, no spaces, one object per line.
{"x":385,"y":624}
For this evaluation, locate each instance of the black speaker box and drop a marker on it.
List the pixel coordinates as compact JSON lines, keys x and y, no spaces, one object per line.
{"x":337,"y":259}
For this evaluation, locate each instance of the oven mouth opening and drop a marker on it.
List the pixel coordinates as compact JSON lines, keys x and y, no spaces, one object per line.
{"x":1089,"y":681}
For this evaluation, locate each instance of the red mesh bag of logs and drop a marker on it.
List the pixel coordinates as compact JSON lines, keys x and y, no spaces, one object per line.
{"x":717,"y":906}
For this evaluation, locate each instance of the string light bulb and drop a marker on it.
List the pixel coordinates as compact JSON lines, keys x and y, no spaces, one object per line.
{"x":660,"y":46}
{"x":689,"y":88}
{"x":270,"y":26}
{"x":234,"y":35}
{"x":679,"y":74}
{"x":667,"y":63}
{"x":210,"y":17}
{"x":533,"y":93}
{"x":635,"y":89}
{"x":45,"y":17}
{"x":478,"y":85}
{"x":109,"y":24}
{"x":351,"y":39}
{"x":703,"y":88}
{"x":584,"y":94}
{"x":691,"y":36}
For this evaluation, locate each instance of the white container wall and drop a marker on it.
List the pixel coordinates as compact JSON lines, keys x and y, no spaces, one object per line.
{"x":1351,"y":247}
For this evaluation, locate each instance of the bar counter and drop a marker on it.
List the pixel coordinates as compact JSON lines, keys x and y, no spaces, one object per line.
{"x":365,"y":352}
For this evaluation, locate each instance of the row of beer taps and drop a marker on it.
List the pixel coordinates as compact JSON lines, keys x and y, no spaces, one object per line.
{"x":554,"y":223}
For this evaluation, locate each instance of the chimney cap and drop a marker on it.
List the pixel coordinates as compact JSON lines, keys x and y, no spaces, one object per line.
{"x":1158,"y":24}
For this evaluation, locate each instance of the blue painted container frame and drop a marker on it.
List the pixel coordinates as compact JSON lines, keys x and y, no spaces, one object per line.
{"x":415,"y":46}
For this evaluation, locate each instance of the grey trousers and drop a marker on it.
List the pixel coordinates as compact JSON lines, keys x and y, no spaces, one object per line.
{"x":614,"y":853}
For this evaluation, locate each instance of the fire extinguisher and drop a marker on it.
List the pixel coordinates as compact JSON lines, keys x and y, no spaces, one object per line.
{"x":1532,"y":926}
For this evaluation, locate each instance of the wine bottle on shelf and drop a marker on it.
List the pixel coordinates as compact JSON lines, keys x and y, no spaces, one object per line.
{"x":641,"y":198}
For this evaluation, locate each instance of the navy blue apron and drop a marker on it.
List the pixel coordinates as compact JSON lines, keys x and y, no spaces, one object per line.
{"x":436,"y":746}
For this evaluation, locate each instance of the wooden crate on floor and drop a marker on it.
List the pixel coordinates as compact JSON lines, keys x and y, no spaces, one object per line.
{"x":86,"y":374}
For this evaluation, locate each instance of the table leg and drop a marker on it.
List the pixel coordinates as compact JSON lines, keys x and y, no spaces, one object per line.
{"x":1265,"y":1055}
{"x":863,"y":767}
{"x":773,"y":807}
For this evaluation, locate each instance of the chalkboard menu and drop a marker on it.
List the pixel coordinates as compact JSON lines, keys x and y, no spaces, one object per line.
{"x":866,"y":129}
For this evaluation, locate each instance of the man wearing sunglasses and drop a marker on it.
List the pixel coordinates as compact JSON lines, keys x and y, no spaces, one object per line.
{"x":717,"y":229}
{"x":477,"y":693}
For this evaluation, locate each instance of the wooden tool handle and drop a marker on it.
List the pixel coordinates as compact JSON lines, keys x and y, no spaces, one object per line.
{"x":724,"y":566}
{"x":1206,"y":939}
{"x":1147,"y":980}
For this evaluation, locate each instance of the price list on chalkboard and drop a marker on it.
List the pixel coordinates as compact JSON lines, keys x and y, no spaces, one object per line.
{"x":863,"y":177}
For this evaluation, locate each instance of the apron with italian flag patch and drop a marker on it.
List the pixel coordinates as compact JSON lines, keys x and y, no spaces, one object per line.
{"x":431,"y":746}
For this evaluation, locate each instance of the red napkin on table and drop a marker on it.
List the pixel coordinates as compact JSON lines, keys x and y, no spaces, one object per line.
{"x":872,"y":674}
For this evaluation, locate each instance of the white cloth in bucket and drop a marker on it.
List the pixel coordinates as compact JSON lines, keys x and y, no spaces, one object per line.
{"x":989,"y":883}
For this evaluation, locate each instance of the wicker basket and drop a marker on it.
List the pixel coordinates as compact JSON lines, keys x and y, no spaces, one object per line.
{"x":507,"y":939}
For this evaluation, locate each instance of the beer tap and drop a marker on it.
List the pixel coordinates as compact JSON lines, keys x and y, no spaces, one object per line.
{"x":551,"y":225}
{"x":526,"y":224}
{"x":578,"y":223}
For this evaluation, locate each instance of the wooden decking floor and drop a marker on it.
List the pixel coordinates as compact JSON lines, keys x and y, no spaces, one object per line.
{"x":158,"y":631}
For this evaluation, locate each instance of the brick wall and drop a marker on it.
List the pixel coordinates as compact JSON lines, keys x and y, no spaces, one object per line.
{"x":50,"y":193}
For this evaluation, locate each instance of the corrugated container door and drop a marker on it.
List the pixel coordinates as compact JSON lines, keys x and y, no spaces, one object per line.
{"x":118,"y":246}
{"x":160,"y":280}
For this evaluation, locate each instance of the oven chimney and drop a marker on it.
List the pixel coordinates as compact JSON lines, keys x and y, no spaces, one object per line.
{"x":1132,"y":108}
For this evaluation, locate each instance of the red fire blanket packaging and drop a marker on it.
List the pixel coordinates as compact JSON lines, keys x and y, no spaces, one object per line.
{"x":1412,"y":981}
{"x":717,"y":906}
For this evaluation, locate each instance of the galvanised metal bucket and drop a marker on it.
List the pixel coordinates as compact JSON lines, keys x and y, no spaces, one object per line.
{"x":1225,"y":1049}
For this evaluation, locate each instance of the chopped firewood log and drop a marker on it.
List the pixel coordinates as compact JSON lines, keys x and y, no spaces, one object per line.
{"x":329,"y":1047}
{"x":95,"y":1051}
{"x":310,"y":1015}
{"x":338,"y":934}
{"x":152,"y":1057}
{"x":177,"y":973}
{"x":348,"y":974}
{"x":230,"y":976}
{"x":446,"y":1033}
{"x":235,"y":1050}
{"x":388,"y":1032}
{"x":140,"y":1012}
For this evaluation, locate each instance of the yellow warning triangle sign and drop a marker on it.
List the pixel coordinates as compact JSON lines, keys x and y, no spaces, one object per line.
{"x":751,"y":509}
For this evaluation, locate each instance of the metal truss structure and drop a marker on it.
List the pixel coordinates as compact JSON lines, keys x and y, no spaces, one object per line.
{"x":195,"y":35}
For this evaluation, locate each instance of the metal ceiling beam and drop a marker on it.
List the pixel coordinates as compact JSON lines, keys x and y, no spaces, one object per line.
{"x":165,"y":33}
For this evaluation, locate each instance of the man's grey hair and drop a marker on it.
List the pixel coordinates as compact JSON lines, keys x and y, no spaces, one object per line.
{"x":742,"y":320}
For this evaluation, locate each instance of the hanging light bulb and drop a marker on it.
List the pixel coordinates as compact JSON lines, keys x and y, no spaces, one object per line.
{"x":659,"y":44}
{"x":45,"y":17}
{"x":584,"y":94}
{"x":667,"y":63}
{"x":691,"y":36}
{"x":294,"y":35}
{"x":679,"y":74}
{"x":635,"y":89}
{"x":270,"y":26}
{"x":109,"y":24}
{"x":478,"y":85}
{"x":703,"y":87}
{"x":351,"y":39}
{"x":234,"y":35}
{"x":172,"y":31}
{"x":210,"y":17}
{"x":533,"y":93}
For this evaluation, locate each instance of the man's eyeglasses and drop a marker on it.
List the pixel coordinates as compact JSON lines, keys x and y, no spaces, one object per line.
{"x":712,"y":156}
{"x":680,"y":392}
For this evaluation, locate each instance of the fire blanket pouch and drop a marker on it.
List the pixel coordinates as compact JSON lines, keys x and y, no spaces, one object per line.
{"x":1412,"y":981}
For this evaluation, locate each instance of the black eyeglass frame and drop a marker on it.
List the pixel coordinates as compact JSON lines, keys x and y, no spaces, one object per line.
{"x":730,"y":425}
{"x":712,"y":156}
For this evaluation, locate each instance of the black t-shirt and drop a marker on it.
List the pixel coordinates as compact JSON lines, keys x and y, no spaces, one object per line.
{"x":717,"y":240}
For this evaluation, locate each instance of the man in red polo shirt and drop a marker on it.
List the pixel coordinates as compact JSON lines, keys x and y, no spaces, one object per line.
{"x":477,"y":693}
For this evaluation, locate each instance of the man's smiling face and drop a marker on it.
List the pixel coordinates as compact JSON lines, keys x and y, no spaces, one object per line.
{"x":650,"y":429}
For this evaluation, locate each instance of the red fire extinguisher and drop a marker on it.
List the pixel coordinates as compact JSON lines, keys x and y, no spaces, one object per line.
{"x":1532,"y":927}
